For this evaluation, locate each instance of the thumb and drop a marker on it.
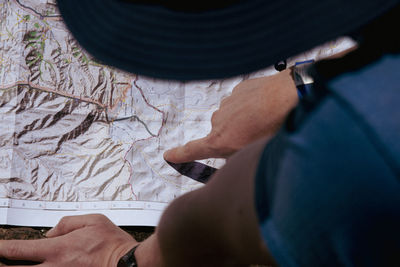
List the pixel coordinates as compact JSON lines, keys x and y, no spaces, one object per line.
{"x":68,"y":224}
{"x":193,"y":150}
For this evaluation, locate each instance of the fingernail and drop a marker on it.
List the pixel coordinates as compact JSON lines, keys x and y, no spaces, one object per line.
{"x":49,"y":232}
{"x":166,"y":154}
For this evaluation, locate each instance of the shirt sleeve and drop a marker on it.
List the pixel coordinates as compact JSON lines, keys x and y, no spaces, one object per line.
{"x":325,"y":195}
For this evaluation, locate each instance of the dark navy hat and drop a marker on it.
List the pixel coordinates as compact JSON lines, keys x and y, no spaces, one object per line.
{"x":209,"y":39}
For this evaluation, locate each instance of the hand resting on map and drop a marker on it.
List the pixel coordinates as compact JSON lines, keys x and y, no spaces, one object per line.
{"x":80,"y":241}
{"x":256,"y":109}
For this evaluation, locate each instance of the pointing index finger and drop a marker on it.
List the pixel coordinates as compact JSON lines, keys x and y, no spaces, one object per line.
{"x":193,"y":150}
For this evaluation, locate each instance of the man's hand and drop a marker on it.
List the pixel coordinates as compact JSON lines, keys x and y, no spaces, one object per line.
{"x":79,"y":241}
{"x":256,"y":109}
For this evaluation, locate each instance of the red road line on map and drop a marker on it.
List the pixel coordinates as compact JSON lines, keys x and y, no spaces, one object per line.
{"x":145,"y":139}
{"x":150,"y":105}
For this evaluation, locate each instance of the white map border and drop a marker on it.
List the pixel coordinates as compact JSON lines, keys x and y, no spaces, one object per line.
{"x":48,"y":213}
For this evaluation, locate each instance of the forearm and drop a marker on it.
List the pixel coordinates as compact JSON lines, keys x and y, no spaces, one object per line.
{"x":148,"y":252}
{"x":215,"y":225}
{"x":184,"y":238}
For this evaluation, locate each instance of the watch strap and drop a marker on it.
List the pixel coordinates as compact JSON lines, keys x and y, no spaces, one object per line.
{"x":129,"y":259}
{"x":302,"y":79}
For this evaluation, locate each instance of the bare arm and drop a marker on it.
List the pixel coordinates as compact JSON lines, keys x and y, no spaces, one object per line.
{"x":215,"y":225}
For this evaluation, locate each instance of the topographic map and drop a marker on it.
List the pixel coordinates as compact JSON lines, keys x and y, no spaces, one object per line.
{"x":80,"y":137}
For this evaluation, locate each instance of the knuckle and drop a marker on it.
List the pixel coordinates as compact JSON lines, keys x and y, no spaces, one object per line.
{"x":219,"y":146}
{"x":214,"y":116}
{"x":98,"y":217}
{"x":238,"y":87}
{"x":65,"y":219}
{"x":186,"y":150}
{"x":214,"y":140}
{"x":58,"y":250}
{"x":224,"y":101}
{"x":62,"y":223}
{"x":13,"y":250}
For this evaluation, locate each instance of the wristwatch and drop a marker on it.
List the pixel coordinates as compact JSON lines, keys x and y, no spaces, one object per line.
{"x":129,"y":259}
{"x":302,"y":79}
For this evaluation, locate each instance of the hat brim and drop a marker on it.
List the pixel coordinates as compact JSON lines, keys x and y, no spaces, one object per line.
{"x":163,"y":43}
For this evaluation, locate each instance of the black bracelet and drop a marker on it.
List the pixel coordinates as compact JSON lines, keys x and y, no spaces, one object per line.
{"x":129,"y":259}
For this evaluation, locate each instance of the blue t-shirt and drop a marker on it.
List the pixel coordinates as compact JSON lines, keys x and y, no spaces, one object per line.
{"x":328,"y":185}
